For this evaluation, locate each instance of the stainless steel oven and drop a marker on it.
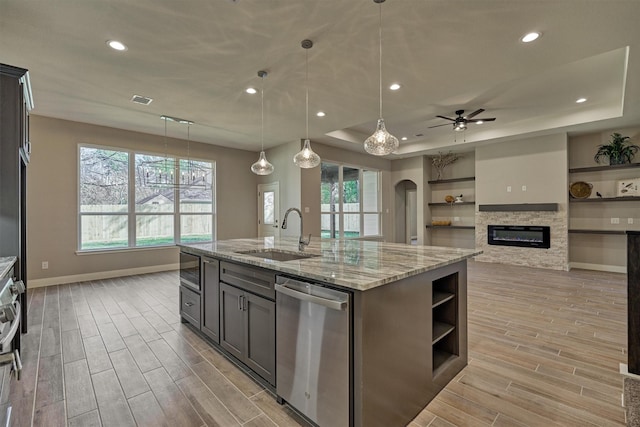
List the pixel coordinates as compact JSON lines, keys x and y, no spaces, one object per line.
{"x":10,"y":363}
{"x":190,"y":270}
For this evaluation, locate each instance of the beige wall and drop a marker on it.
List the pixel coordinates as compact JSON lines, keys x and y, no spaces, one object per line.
{"x":538,"y":163}
{"x":287,"y":174}
{"x":52,"y":202}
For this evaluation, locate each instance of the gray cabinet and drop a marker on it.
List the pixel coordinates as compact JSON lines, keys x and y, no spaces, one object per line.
{"x":247,"y":318}
{"x":210,"y":311}
{"x":232,"y":320}
{"x":190,"y":306}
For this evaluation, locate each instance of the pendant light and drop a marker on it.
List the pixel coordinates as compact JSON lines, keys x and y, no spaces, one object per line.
{"x":306,"y":158}
{"x":262,"y":166}
{"x":381,"y":142}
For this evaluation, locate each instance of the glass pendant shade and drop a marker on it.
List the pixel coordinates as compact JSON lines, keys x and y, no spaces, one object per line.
{"x":306,"y":158}
{"x":381,"y":142}
{"x":262,"y":166}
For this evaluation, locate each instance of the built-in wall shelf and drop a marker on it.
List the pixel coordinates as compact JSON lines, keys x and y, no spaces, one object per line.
{"x":444,"y":181}
{"x":584,"y":231}
{"x":519,"y":207}
{"x":454,"y":227}
{"x":451,"y":204}
{"x":604,"y":168}
{"x":606,"y":199}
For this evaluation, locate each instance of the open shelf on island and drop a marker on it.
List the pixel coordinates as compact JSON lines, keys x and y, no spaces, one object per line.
{"x":441,"y":298}
{"x":444,"y":308}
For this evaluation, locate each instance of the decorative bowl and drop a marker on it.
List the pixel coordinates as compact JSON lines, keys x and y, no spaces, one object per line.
{"x":580,"y":190}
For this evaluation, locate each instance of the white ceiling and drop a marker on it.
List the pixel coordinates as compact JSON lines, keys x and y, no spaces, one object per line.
{"x":196,"y":57}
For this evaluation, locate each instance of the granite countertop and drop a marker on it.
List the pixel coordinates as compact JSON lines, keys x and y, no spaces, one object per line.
{"x":6,"y":263}
{"x":354,"y":264}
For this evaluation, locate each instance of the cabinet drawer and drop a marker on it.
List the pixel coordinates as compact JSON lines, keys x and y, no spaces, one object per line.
{"x":253,"y":279}
{"x":190,"y":306}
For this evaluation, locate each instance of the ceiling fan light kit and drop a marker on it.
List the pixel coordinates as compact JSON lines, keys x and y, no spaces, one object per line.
{"x":460,"y":122}
{"x":381,"y":142}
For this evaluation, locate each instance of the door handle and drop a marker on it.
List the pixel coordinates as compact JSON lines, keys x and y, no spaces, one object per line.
{"x":188,"y":304}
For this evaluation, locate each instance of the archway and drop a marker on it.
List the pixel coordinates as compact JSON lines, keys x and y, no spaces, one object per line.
{"x":406,"y":209}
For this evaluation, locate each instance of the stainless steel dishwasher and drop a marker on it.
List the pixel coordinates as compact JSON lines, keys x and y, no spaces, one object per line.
{"x":313,"y":338}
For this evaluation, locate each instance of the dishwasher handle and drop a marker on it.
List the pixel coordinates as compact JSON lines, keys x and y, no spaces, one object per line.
{"x":329,"y":303}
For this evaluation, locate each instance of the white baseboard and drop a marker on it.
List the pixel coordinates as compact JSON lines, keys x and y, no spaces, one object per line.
{"x":60,"y":280}
{"x":598,"y":267}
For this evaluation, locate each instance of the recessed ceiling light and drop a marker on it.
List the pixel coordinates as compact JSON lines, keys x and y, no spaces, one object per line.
{"x":395,"y":86}
{"x":321,"y":114}
{"x":116,"y":45}
{"x":251,"y":90}
{"x":404,"y":138}
{"x":580,"y":100}
{"x":528,"y":38}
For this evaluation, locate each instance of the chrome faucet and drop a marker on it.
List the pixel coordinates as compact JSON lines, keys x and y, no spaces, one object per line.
{"x":301,"y":241}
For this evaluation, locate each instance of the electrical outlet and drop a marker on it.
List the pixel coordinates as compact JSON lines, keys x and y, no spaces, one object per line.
{"x":615,"y":220}
{"x":456,"y":218}
{"x":306,"y":209}
{"x":508,"y":189}
{"x":629,"y":220}
{"x":45,"y":265}
{"x":524,"y":188}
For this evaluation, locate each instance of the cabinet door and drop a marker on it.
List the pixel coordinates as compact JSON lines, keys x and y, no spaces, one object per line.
{"x":260,"y":316}
{"x":232,"y":320}
{"x":211,"y":299}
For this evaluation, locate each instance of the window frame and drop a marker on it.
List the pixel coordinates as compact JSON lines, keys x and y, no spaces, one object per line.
{"x":131,"y":213}
{"x":340,"y":212}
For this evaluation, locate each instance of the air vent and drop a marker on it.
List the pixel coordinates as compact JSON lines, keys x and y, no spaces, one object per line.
{"x":138,"y":99}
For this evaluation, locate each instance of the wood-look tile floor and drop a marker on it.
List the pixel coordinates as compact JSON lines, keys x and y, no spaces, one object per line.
{"x":544,"y":349}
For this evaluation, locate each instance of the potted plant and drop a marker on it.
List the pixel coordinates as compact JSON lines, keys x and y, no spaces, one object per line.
{"x":619,"y":150}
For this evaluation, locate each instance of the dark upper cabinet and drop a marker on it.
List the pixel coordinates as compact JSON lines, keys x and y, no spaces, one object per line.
{"x":15,"y":149}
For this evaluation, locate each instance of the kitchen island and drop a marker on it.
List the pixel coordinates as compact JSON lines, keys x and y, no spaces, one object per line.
{"x":407,"y":323}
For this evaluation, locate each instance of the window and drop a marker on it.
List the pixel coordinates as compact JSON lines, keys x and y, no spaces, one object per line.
{"x":350,"y":201}
{"x":132,"y":199}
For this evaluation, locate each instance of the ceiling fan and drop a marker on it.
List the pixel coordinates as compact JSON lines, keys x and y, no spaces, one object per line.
{"x":460,"y":122}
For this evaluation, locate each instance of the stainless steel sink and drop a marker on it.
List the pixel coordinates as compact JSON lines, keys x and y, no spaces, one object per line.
{"x":277,"y":254}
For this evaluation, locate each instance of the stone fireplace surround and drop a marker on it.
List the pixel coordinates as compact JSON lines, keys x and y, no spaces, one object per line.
{"x":556,"y":257}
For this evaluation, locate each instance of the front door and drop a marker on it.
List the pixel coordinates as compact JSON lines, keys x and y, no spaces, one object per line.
{"x":269,"y":210}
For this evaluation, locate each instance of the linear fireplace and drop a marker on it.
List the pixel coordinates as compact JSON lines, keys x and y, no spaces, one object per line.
{"x":519,"y":235}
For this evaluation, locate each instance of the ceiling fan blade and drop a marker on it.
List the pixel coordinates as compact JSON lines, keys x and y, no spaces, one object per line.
{"x":437,"y":126}
{"x":446,"y":118}
{"x":475,"y":113}
{"x":491,"y":119}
